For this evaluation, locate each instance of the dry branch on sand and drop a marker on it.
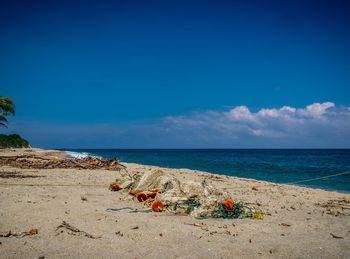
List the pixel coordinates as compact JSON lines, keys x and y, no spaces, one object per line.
{"x":33,"y":231}
{"x":15,"y":174}
{"x":73,"y":230}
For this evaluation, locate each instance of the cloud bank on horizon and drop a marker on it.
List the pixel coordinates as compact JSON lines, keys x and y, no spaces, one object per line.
{"x":278,"y":123}
{"x":318,"y":125}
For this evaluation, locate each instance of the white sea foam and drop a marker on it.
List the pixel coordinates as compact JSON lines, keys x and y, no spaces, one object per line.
{"x":71,"y":154}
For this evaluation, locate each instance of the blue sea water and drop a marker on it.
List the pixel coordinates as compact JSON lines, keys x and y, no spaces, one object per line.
{"x":274,"y":165}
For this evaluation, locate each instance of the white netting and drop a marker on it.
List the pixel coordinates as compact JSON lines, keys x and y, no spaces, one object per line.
{"x":199,"y":199}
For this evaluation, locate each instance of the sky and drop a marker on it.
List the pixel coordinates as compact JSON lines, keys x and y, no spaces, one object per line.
{"x":177,"y":74}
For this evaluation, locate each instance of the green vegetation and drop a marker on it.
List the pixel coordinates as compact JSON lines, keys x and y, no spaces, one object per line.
{"x":7,"y":107}
{"x":13,"y":141}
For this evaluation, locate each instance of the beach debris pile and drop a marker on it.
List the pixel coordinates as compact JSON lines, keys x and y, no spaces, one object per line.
{"x":336,"y":207}
{"x":36,"y":162}
{"x":164,"y":193}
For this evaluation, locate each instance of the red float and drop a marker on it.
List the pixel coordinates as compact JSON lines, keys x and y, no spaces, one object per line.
{"x":141,"y":197}
{"x":115,"y":187}
{"x":229,"y":204}
{"x":157,"y":206}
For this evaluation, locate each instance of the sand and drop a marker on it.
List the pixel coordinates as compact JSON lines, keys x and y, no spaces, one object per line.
{"x":298,"y":222}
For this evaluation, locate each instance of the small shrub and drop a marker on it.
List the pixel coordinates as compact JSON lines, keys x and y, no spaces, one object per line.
{"x":13,"y":141}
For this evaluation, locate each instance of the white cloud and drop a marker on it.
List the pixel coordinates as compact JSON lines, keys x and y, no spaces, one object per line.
{"x":317,"y":109}
{"x":274,"y":113}
{"x":316,"y":125}
{"x":288,"y":109}
{"x":240,"y":113}
{"x":317,"y":121}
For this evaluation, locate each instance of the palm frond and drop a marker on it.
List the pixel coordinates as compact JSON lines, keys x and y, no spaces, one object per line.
{"x":7,"y":106}
{"x":3,"y":118}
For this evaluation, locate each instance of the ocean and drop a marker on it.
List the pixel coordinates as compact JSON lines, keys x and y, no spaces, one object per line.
{"x":273,"y":165}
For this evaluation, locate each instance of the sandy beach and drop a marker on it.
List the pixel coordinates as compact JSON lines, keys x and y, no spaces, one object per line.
{"x":298,"y":222}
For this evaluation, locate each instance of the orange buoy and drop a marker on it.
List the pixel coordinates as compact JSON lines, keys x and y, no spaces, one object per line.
{"x":141,"y":197}
{"x":229,"y":204}
{"x":115,"y":187}
{"x":157,"y":206}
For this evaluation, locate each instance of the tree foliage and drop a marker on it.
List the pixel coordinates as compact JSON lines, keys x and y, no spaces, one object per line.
{"x":7,"y":107}
{"x":13,"y":141}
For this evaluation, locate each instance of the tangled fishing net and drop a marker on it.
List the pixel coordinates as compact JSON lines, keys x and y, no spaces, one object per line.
{"x":164,"y":193}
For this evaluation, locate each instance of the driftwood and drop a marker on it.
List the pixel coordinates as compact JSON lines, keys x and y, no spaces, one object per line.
{"x":75,"y":230}
{"x":334,"y":236}
{"x":6,"y":174}
{"x":30,"y":162}
{"x":33,"y":231}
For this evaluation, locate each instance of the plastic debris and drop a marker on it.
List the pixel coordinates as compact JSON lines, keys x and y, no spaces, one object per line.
{"x":257,"y":215}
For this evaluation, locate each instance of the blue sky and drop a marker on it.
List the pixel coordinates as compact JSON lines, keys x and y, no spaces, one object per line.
{"x":123,"y":73}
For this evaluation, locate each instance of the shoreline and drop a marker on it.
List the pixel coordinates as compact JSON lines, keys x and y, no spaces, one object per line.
{"x":86,"y":154}
{"x":239,"y":178}
{"x":298,"y":221}
{"x":75,"y":154}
